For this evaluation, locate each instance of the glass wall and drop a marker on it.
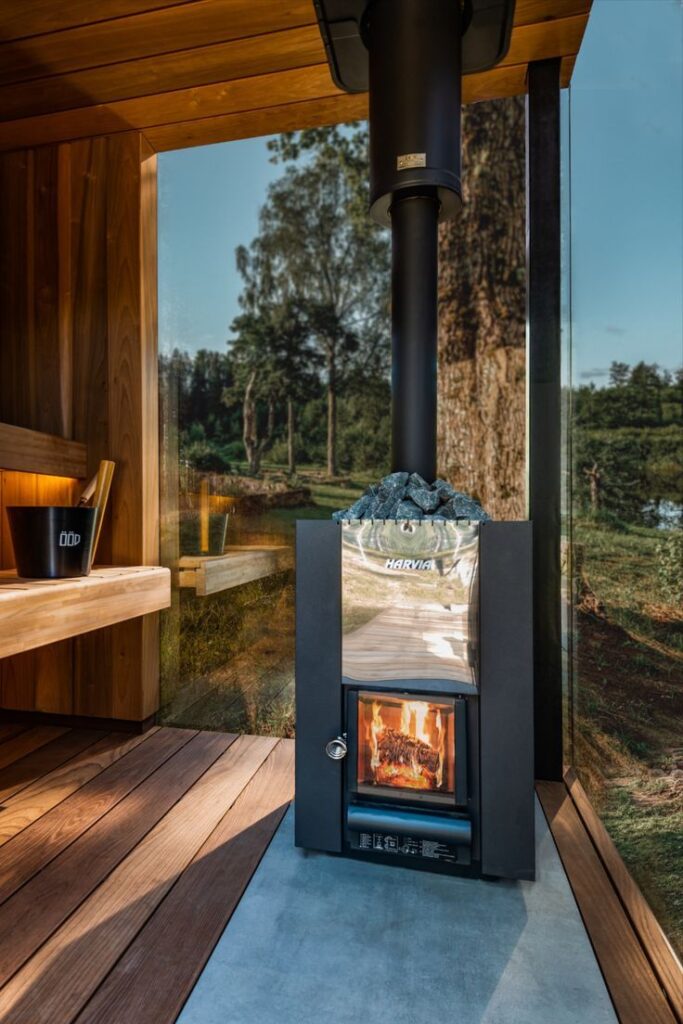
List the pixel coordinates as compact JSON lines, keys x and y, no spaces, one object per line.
{"x":274,"y":386}
{"x":274,"y":381}
{"x":624,"y":479}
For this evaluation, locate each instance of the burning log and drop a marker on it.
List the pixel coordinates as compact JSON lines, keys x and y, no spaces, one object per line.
{"x":397,"y":748}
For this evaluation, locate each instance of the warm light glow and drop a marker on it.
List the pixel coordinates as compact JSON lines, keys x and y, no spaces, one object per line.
{"x":407,"y":744}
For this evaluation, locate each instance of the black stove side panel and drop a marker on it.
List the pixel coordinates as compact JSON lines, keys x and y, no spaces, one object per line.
{"x":319,"y":696}
{"x":506,"y":701}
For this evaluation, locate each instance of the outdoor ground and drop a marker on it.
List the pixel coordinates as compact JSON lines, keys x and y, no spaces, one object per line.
{"x":228,"y":660}
{"x":628,"y":743}
{"x":234,"y":671}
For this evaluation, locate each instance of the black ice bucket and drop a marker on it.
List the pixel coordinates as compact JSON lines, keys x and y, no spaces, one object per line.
{"x":52,"y":542}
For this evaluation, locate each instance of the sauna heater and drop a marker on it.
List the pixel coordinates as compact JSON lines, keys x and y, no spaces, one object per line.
{"x":414,"y":730}
{"x":414,"y":738}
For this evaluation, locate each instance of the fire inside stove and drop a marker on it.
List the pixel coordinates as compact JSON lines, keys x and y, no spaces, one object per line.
{"x":406,"y":743}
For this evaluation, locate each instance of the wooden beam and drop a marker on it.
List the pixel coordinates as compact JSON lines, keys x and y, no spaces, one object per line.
{"x":38,"y":612}
{"x":211,"y":574}
{"x":154,"y":33}
{"x":31,"y":451}
{"x":181,"y":69}
{"x":531,"y":42}
{"x":529,"y":12}
{"x":54,"y":15}
{"x":133,"y":423}
{"x":226,"y":61}
{"x":634,"y":989}
{"x":544,"y":405}
{"x":198,"y":28}
{"x":657,"y":947}
{"x":340,"y":108}
{"x":334,"y":109}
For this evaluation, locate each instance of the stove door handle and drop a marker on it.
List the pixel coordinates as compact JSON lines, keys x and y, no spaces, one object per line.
{"x":337,"y":748}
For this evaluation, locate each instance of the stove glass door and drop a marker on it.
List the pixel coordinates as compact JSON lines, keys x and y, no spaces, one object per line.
{"x":406,"y":747}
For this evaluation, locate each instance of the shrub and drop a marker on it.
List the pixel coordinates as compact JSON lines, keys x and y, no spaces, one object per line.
{"x":669,"y":554}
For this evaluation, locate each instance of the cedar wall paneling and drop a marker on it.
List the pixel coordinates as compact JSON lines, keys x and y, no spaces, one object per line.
{"x":78,"y":359}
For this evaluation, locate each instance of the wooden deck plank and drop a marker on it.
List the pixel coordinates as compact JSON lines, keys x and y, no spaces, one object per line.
{"x":37,"y":845}
{"x":11,"y":729}
{"x":34,"y":912}
{"x":31,"y":803}
{"x":34,"y":766}
{"x":657,"y":947}
{"x":631,"y":982}
{"x":56,"y":983}
{"x":26,"y":742}
{"x":178,"y":939}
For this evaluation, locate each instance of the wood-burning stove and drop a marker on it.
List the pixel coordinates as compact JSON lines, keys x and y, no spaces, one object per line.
{"x":414,"y":694}
{"x":413,"y":639}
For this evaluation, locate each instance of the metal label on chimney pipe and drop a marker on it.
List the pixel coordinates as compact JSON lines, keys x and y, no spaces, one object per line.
{"x":408,"y":160}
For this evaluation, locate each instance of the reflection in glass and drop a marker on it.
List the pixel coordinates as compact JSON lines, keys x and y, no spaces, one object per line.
{"x":624,"y":498}
{"x":409,"y":600}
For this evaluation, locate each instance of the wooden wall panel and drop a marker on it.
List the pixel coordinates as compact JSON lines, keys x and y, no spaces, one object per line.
{"x":34,"y":370}
{"x":79,"y":359}
{"x":41,"y":679}
{"x":32,"y":365}
{"x":88,"y":271}
{"x":14,"y":326}
{"x":132,"y":430}
{"x":131,"y":649}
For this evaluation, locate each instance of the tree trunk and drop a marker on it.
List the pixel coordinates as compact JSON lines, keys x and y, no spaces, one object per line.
{"x":482,"y":315}
{"x":249,"y":427}
{"x":291,"y":453}
{"x":594,"y":479}
{"x":331,"y":414}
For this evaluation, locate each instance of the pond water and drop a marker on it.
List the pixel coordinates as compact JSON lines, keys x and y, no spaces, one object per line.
{"x":663,"y":514}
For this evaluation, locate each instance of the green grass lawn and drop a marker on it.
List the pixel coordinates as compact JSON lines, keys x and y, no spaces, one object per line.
{"x":327,"y":497}
{"x":629,"y":709}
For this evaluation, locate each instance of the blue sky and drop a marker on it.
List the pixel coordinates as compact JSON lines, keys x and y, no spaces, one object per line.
{"x":626,"y":103}
{"x":209,"y":199}
{"x":627,"y":203}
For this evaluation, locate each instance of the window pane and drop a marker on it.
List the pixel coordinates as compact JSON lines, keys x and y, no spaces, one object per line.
{"x":624,"y":495}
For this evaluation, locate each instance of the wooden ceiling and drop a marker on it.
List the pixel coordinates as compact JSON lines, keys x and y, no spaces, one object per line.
{"x":189,"y":72}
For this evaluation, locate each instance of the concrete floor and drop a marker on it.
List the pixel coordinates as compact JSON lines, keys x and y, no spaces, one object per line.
{"x":319,"y":938}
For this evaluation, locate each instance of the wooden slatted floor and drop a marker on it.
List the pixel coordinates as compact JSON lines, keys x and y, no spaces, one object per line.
{"x":121,"y":860}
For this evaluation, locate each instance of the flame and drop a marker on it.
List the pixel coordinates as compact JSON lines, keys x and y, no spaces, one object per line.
{"x":376,"y":727}
{"x":442,"y":749}
{"x":409,"y":765}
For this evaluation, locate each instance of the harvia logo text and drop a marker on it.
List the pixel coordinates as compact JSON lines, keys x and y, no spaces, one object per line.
{"x":69,"y":539}
{"x":409,"y":563}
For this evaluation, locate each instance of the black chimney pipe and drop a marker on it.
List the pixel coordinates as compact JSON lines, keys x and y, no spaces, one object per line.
{"x":414,"y":282}
{"x":415,"y":67}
